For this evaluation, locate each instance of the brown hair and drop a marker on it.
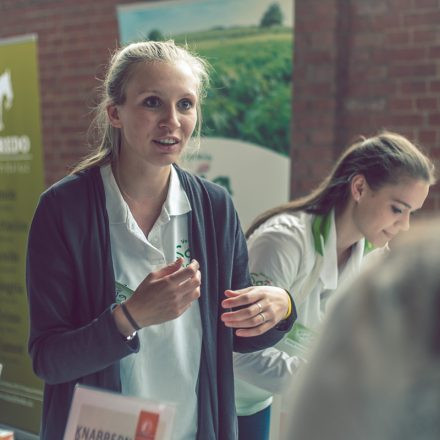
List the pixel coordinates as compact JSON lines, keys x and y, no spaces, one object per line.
{"x":382,"y":159}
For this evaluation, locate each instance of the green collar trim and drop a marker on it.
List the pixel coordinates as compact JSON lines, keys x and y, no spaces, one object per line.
{"x":321,"y":230}
{"x":368,"y":247}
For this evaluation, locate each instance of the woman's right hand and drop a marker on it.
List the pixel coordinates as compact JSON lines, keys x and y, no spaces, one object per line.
{"x":162,"y":296}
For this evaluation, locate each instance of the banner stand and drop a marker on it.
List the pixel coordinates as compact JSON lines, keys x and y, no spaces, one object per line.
{"x":21,"y":183}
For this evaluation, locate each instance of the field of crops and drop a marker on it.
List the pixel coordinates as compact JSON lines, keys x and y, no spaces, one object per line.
{"x":250,"y":93}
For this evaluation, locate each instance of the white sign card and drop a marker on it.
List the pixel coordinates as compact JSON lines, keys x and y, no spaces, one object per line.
{"x":100,"y":414}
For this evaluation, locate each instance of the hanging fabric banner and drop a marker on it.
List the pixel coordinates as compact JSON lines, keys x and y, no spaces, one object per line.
{"x":246,"y":116}
{"x":21,"y":182}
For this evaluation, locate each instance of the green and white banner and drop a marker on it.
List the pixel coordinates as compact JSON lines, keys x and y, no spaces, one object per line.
{"x":246,"y":115}
{"x":21,"y":182}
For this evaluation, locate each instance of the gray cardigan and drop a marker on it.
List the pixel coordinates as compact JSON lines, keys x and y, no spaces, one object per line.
{"x":70,"y":283}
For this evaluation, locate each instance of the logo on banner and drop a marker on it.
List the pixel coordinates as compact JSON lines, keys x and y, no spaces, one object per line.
{"x":202,"y":166}
{"x":147,"y":425}
{"x":6,"y":95}
{"x":15,"y":150}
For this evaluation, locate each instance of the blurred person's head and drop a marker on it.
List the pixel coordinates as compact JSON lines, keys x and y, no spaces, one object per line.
{"x":375,"y":372}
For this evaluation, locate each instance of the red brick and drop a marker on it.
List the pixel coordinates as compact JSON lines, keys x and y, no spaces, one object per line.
{"x":434,"y":86}
{"x":398,"y":38}
{"x":434,"y":153}
{"x":427,"y":103}
{"x":416,"y":86}
{"x":428,"y":136}
{"x":413,"y":70}
{"x":434,"y":119}
{"x":403,"y":5}
{"x":322,"y":40}
{"x":423,"y":18}
{"x":372,"y":73}
{"x":312,"y":8}
{"x":360,"y":123}
{"x":321,"y":89}
{"x":371,"y":8}
{"x":316,"y":150}
{"x":378,"y":55}
{"x":365,"y":104}
{"x":434,"y":52}
{"x":410,"y":54}
{"x":315,"y":24}
{"x":425,"y":36}
{"x":320,"y":169}
{"x":368,"y":89}
{"x":432,"y":4}
{"x":410,"y":120}
{"x":363,"y":40}
{"x":315,"y":120}
{"x":428,"y":206}
{"x":320,"y":57}
{"x":397,"y":104}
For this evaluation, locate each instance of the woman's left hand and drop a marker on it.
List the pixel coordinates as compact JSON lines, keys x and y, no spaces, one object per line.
{"x":261,"y":308}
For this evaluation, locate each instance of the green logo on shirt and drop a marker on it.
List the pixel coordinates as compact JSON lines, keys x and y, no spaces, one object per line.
{"x":260,"y":279}
{"x":183,"y":251}
{"x":122,"y":292}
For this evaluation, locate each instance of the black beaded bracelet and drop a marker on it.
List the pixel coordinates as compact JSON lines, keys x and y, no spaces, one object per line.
{"x":129,"y":317}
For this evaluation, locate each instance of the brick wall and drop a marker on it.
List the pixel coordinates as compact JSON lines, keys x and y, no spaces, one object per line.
{"x":361,"y":66}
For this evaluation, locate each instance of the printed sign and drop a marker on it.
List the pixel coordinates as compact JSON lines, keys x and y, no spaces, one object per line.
{"x":97,"y":414}
{"x":21,"y":182}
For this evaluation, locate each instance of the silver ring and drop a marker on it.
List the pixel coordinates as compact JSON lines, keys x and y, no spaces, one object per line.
{"x":260,"y":307}
{"x":262,"y":317}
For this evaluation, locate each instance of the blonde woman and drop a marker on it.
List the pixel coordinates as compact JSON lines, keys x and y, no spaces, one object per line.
{"x":131,"y":260}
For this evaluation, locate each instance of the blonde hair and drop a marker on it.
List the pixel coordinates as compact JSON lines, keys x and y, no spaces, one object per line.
{"x":383,"y":159}
{"x":114,"y":86}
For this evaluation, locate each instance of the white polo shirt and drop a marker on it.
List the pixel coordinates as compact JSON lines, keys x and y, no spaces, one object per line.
{"x":167,"y":365}
{"x":282,"y":253}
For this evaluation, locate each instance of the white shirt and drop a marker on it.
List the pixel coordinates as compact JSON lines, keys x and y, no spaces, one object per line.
{"x":282,"y":253}
{"x":167,"y":366}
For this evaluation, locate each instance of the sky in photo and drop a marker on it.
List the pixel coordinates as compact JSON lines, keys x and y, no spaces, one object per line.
{"x":186,"y":16}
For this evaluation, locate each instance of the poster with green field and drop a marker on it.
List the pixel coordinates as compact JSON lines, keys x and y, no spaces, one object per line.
{"x":246,"y":115}
{"x":21,"y":182}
